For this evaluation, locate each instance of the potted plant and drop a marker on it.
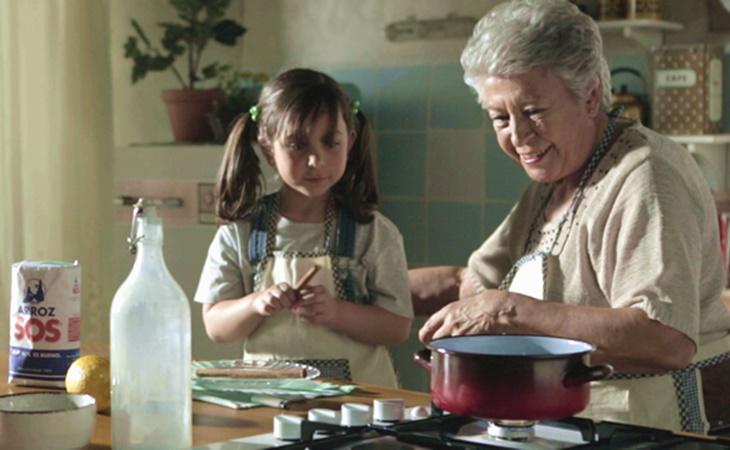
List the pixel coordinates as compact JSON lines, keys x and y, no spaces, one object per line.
{"x":200,"y":22}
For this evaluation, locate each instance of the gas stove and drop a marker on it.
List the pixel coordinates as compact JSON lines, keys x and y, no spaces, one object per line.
{"x":388,"y":425}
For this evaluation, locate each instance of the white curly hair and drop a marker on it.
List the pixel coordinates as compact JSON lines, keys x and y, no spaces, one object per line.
{"x":519,"y":35}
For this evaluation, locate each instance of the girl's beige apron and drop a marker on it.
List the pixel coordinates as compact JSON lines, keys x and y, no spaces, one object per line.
{"x":282,"y":335}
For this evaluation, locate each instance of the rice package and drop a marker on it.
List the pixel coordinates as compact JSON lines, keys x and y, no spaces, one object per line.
{"x":45,"y":322}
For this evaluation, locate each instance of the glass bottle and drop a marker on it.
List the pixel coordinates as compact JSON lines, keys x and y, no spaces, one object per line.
{"x":150,"y":347}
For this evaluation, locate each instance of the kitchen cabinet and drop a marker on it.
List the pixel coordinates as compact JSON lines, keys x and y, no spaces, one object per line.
{"x":647,"y":32}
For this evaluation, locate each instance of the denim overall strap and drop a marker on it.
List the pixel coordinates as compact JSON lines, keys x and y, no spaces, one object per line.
{"x":685,"y":386}
{"x":346,"y":227}
{"x":344,"y":249}
{"x":258,"y":237}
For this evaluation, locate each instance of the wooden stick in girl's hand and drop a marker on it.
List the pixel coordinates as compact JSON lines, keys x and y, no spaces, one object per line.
{"x":306,"y":278}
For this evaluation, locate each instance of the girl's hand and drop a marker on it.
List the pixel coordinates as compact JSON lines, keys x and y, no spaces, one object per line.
{"x":277,"y":297}
{"x":316,"y":306}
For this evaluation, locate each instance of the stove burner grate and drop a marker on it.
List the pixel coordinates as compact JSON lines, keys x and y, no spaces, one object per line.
{"x":453,"y":432}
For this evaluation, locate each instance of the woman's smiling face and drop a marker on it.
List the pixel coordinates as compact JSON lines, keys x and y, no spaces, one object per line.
{"x":540,"y":124}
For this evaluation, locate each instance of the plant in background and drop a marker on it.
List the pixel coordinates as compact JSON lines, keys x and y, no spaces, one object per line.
{"x":241,"y":91}
{"x":202,"y":20}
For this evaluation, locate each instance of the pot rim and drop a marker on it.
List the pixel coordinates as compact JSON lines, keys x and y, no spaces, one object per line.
{"x":444,"y":351}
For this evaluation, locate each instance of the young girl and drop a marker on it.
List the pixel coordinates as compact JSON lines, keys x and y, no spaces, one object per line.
{"x":324,"y":214}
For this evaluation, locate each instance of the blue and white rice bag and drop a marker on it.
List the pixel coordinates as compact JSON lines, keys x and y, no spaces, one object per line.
{"x":45,"y":322}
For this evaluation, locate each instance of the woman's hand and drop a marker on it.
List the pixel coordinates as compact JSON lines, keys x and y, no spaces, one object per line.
{"x":624,"y":337}
{"x":488,"y":312}
{"x":277,"y":297}
{"x":316,"y":305}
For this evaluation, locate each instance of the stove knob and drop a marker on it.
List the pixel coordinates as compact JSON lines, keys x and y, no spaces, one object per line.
{"x":355,"y":414}
{"x":388,"y":410}
{"x":324,"y":415}
{"x":417,"y":413}
{"x":287,"y":427}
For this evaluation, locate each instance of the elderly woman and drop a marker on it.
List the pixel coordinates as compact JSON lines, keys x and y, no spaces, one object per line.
{"x":615,"y":241}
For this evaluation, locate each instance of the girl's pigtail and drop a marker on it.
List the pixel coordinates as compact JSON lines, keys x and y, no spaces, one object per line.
{"x":358,"y":188}
{"x":239,"y":184}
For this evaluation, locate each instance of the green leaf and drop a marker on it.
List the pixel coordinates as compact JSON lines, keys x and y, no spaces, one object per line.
{"x":175,"y":38}
{"x":227,"y":32}
{"x":130,"y":48}
{"x":175,"y":30}
{"x":140,"y":68}
{"x":160,"y":63}
{"x":210,"y":71}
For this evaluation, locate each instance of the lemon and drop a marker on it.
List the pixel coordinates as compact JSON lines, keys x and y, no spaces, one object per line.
{"x":90,"y":375}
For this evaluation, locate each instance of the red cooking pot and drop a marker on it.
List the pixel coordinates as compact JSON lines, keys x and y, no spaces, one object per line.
{"x":509,"y":377}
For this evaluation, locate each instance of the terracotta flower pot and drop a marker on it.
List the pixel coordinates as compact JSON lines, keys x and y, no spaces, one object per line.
{"x":188,"y":110}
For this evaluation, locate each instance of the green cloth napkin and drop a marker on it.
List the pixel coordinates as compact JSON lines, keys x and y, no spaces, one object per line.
{"x":242,"y":393}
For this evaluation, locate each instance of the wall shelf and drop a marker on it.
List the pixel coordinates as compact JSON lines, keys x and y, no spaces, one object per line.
{"x":647,"y":32}
{"x":710,"y":152}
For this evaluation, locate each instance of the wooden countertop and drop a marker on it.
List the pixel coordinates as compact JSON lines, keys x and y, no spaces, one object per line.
{"x":212,"y":423}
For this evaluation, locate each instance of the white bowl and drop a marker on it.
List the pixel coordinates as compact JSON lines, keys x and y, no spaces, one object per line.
{"x":44,"y":420}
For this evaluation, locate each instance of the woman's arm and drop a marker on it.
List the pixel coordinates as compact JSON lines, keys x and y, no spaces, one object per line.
{"x":624,"y":337}
{"x":434,"y":287}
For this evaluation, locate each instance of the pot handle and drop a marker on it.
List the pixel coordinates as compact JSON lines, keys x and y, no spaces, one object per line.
{"x":423,"y":358}
{"x":583,"y":374}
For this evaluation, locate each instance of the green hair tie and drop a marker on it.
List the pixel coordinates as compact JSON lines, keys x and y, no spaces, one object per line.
{"x":355,"y":106}
{"x":254,"y":113}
